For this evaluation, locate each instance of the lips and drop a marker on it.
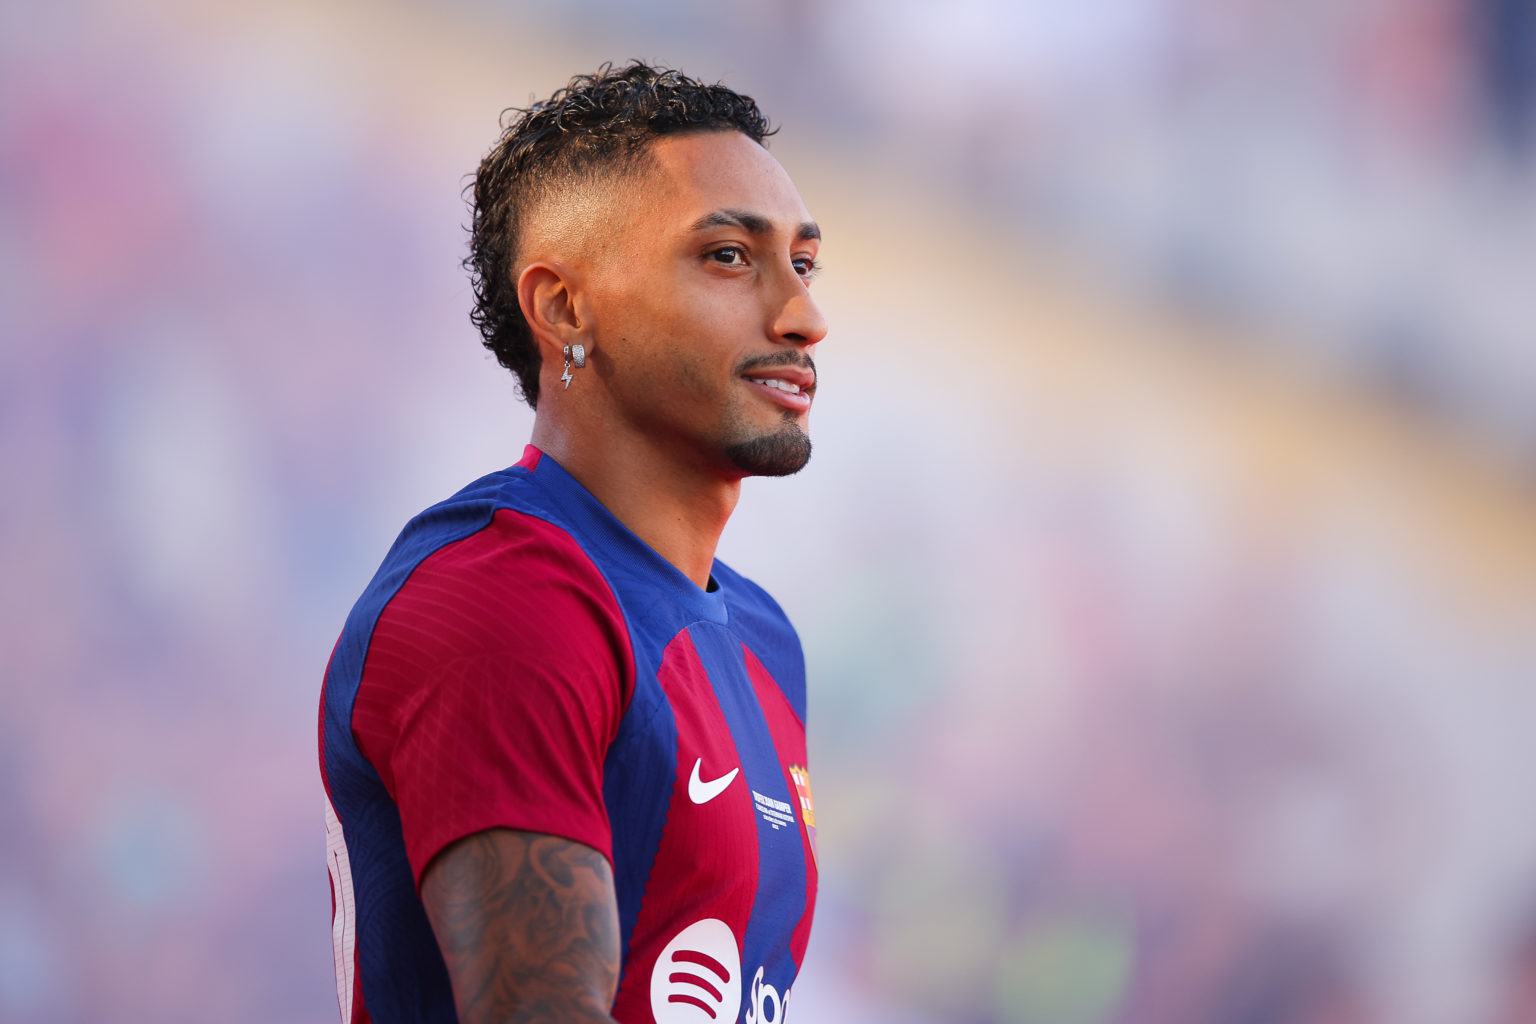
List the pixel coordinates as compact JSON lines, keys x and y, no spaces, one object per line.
{"x":787,"y":386}
{"x":789,"y":379}
{"x":779,"y":385}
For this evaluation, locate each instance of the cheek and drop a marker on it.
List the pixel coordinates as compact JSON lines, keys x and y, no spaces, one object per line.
{"x":693,"y":301}
{"x":679,"y":334}
{"x":661,"y":359}
{"x":696,"y":334}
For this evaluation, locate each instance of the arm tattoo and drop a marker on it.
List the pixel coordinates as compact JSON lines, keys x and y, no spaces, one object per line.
{"x":529,"y":928}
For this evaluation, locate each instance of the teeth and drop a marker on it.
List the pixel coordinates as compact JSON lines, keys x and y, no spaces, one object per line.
{"x":782,"y":385}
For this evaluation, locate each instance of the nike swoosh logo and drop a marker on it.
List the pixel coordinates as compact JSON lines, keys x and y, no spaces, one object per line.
{"x":701,"y":792}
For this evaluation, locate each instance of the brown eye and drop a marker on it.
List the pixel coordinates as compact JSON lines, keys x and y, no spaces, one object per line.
{"x":730,"y":256}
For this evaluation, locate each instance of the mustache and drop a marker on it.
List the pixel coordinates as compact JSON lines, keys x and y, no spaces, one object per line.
{"x":789,"y":357}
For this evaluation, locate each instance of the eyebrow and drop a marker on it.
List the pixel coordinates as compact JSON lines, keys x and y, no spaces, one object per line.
{"x":752,"y":224}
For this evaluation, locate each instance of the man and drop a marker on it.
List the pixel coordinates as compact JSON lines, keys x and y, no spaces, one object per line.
{"x":563,"y":747}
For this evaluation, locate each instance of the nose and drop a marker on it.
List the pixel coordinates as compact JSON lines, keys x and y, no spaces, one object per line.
{"x":799,"y":320}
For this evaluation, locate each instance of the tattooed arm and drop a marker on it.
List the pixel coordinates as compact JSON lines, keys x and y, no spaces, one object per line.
{"x":529,"y":927}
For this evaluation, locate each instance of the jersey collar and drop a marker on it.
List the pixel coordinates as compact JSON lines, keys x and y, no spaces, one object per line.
{"x":611,"y":537}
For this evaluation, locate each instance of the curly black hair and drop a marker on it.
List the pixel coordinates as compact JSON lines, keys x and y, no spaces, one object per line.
{"x":596,"y":125}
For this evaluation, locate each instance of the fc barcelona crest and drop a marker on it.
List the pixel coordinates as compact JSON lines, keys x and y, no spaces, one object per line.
{"x":802,"y":780}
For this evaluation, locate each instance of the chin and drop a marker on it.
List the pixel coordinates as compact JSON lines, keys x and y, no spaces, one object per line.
{"x":781,"y":453}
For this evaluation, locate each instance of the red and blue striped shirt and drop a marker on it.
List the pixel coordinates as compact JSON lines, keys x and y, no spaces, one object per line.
{"x":522,"y":660}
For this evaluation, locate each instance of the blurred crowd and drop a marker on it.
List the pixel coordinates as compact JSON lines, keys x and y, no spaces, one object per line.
{"x":1352,"y":180}
{"x":1148,"y":687}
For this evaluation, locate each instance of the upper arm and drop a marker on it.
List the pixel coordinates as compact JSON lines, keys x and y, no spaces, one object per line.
{"x":528,"y":925}
{"x":496,"y":679}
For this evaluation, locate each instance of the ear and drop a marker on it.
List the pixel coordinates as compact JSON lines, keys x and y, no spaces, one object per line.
{"x":547,"y":293}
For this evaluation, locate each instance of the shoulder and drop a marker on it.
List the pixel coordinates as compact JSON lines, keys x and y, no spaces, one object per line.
{"x":518,"y":576}
{"x":489,"y":572}
{"x":755,"y":606}
{"x":761,"y":625}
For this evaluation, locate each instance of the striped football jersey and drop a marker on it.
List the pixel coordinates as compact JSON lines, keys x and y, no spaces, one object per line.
{"x":522,"y":660}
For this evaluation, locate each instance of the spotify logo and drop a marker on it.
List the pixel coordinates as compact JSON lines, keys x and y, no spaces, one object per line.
{"x":697,"y":978}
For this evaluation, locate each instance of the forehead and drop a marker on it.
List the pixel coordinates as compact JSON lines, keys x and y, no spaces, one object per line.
{"x":695,"y":174}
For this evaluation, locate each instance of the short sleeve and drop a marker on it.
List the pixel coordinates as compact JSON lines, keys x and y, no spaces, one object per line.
{"x":495,"y":681}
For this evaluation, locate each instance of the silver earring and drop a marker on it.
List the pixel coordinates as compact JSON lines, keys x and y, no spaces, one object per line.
{"x":578,"y":356}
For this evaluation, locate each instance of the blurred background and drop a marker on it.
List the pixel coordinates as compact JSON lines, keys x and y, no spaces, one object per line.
{"x":1167,"y":566}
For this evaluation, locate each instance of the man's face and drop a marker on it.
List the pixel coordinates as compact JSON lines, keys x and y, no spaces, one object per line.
{"x":702,"y":314}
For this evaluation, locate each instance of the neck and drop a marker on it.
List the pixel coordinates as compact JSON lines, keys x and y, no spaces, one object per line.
{"x":673,"y":505}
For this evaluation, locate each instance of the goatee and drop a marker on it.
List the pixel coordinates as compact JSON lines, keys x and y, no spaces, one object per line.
{"x":777,"y":454}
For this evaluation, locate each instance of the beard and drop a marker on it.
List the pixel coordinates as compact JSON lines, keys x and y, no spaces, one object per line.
{"x":781,"y":453}
{"x":786,"y":450}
